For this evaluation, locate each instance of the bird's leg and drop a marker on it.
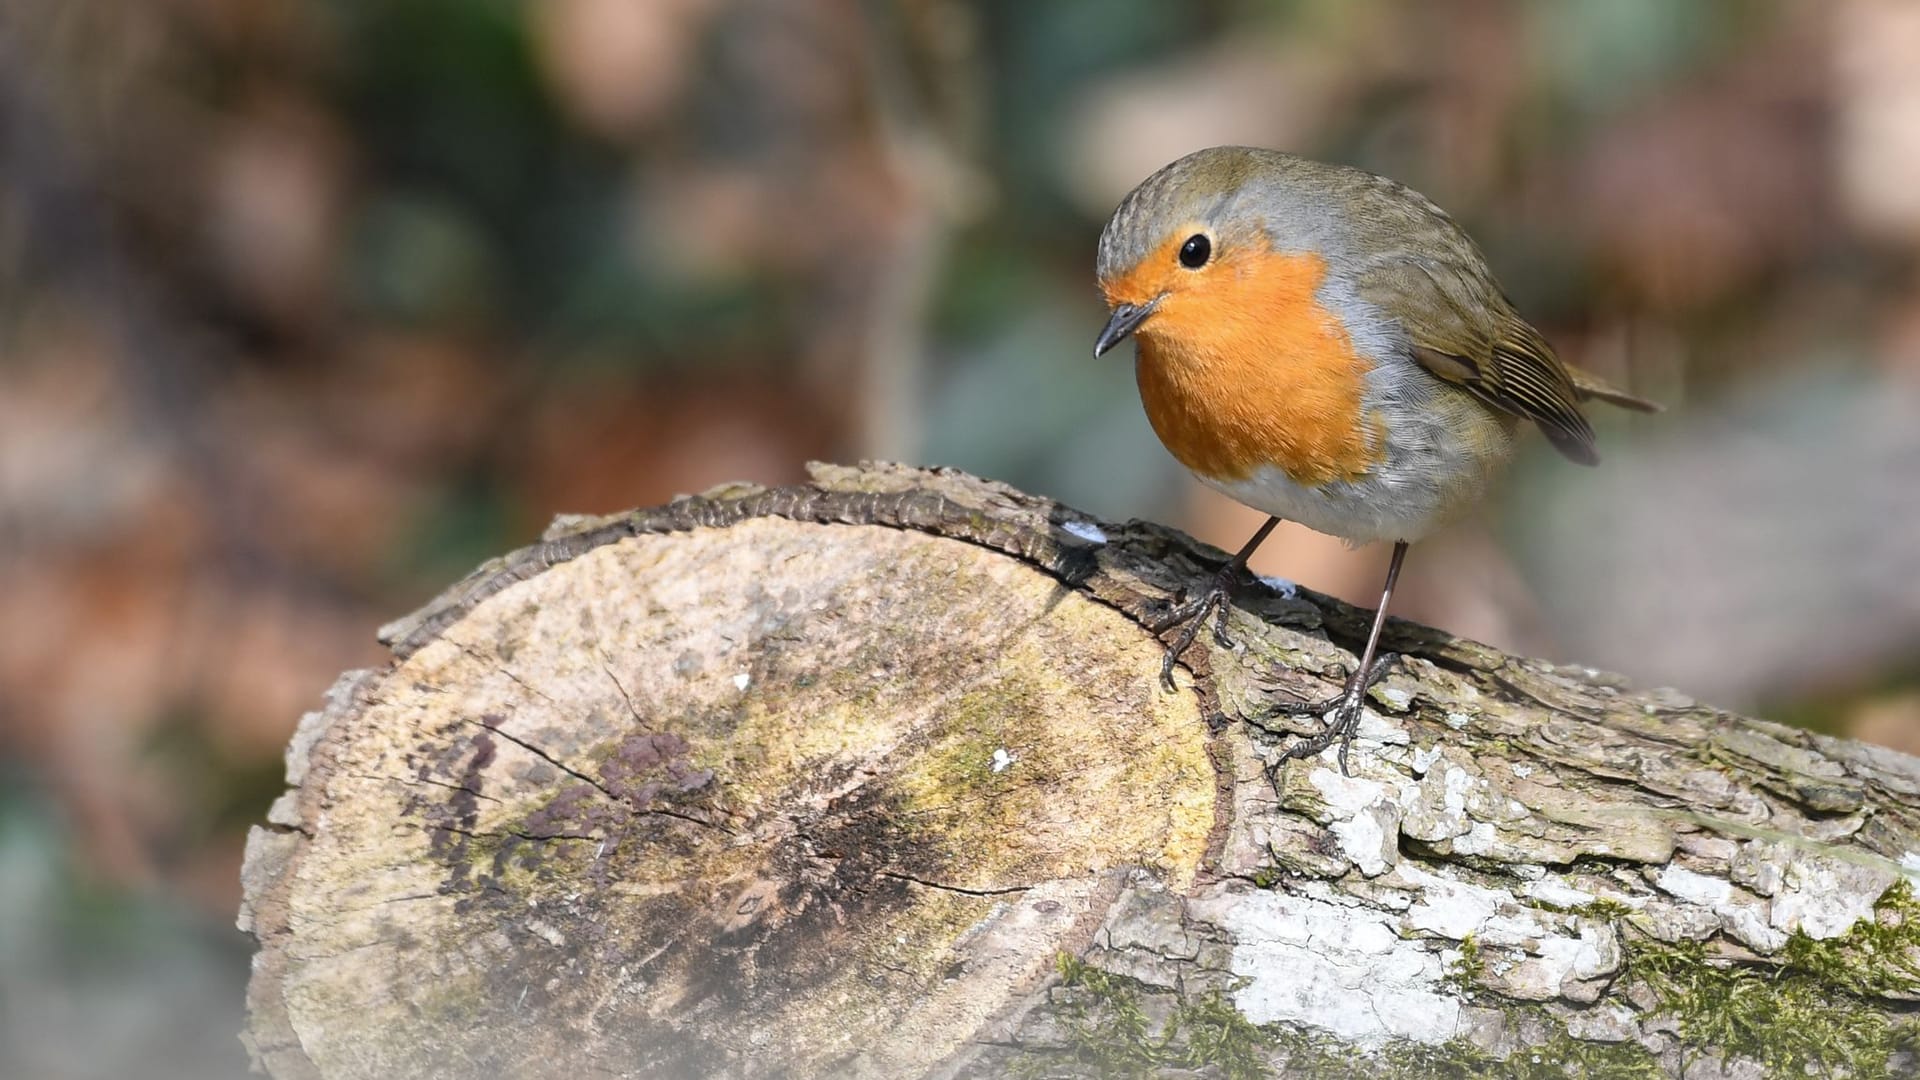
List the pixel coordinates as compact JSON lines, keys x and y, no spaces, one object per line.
{"x":1194,"y":612}
{"x":1345,"y":718}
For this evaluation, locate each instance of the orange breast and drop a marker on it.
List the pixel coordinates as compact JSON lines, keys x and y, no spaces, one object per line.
{"x":1240,"y":366}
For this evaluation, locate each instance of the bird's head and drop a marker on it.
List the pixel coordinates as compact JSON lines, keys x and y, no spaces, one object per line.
{"x":1188,"y":249}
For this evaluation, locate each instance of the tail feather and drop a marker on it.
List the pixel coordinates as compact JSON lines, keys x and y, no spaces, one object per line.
{"x":1591,"y":387}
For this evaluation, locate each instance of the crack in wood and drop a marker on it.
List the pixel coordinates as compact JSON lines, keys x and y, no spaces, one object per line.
{"x":624,"y":696}
{"x":493,"y":664}
{"x":411,"y":781}
{"x":991,"y":890}
{"x":503,"y":834}
{"x":548,"y":758}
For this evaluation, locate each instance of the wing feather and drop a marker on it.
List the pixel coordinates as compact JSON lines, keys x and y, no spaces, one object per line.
{"x":1465,"y":331}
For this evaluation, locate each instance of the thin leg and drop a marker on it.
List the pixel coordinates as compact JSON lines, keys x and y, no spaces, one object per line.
{"x":1194,"y":612}
{"x":1346,"y":718}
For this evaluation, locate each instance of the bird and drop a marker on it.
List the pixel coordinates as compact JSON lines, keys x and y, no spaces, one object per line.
{"x":1329,"y":347}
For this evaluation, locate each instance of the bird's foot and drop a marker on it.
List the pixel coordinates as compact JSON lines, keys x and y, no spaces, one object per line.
{"x":1194,"y":614}
{"x":1343,"y":712}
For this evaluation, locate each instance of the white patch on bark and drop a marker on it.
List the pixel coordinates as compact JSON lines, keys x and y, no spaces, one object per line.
{"x":1366,"y":819}
{"x":1436,"y":808}
{"x":1694,"y":888}
{"x":1368,"y":838}
{"x":1280,"y":585}
{"x":1475,"y":841}
{"x":1085,"y":530}
{"x":1534,"y":955}
{"x":1743,"y":914}
{"x":1424,"y":759}
{"x":1567,"y":967}
{"x":1450,"y":908}
{"x":1344,"y":969}
{"x":1379,"y":729}
{"x":1825,"y":897}
{"x":1555,"y":891}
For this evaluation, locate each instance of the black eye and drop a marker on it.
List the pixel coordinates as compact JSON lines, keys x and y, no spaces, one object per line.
{"x":1195,"y":252}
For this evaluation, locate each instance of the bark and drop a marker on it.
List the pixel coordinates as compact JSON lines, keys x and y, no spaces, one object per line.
{"x":873,"y":777}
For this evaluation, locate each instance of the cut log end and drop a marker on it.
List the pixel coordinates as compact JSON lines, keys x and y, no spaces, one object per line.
{"x":723,"y":795}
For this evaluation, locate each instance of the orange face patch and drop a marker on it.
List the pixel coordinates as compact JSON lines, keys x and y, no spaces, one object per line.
{"x":1241,"y":366}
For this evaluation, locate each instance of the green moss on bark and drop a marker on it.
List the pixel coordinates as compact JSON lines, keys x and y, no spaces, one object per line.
{"x":1814,"y":1011}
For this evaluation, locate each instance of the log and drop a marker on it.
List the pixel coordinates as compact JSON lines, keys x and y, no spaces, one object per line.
{"x":872,"y":776}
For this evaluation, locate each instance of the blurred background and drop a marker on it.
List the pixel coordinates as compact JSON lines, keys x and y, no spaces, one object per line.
{"x":307,"y":306}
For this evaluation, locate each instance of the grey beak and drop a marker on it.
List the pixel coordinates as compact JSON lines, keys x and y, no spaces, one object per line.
{"x":1126,"y":319}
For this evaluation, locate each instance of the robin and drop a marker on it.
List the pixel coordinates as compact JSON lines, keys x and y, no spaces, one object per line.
{"x":1328,"y":347}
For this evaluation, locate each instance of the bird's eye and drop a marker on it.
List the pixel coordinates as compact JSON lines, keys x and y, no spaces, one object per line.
{"x":1196,"y":251}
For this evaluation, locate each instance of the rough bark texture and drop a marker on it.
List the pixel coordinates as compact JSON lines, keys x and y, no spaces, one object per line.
{"x":873,"y":777}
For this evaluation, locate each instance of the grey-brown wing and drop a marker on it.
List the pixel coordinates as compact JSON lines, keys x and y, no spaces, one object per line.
{"x":1464,"y":330}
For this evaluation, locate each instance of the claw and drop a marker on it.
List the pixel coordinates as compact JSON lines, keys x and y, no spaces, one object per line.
{"x":1343,"y":722}
{"x":1215,"y":599}
{"x":1346,"y":717}
{"x":1341,"y":727}
{"x":1220,"y":637}
{"x":1194,"y":615}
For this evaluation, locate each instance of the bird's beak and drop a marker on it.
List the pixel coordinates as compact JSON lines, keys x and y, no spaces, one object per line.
{"x":1126,"y":319}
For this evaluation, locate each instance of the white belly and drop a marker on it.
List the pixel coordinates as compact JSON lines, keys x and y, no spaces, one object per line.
{"x":1358,"y":512}
{"x":1437,"y":466}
